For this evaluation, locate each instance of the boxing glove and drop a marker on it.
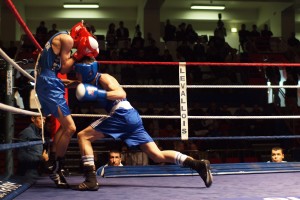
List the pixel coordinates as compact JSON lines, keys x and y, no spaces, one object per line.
{"x":87,"y":92}
{"x":87,"y":46}
{"x":78,"y":31}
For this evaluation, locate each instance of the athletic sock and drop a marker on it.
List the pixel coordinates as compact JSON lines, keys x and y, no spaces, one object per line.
{"x":88,"y":160}
{"x":180,"y":158}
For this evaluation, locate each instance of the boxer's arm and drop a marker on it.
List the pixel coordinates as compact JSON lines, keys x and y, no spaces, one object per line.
{"x":70,"y":83}
{"x":112,"y":86}
{"x":67,"y":61}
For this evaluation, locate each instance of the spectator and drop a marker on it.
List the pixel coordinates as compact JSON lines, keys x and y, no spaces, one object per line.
{"x":180,"y":33}
{"x":41,"y":29}
{"x":122,"y":32}
{"x":243,"y":36}
{"x":220,"y":32}
{"x":199,"y":53}
{"x":291,"y":94}
{"x":170,"y":32}
{"x":31,"y":158}
{"x":41,"y":33}
{"x":254,"y":32}
{"x":138,"y":41}
{"x":292,"y":40}
{"x":191,"y":35}
{"x":53,"y":30}
{"x":277,"y":155}
{"x":114,"y":160}
{"x":266,"y":33}
{"x":241,"y":126}
{"x":111,"y":37}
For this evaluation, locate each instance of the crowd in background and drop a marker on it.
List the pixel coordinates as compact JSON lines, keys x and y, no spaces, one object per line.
{"x":190,"y":47}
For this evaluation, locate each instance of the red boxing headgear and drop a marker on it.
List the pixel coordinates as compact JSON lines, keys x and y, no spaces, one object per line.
{"x":78,"y":31}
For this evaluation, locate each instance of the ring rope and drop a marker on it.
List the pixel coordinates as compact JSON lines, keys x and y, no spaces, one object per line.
{"x":36,"y":99}
{"x":198,"y":117}
{"x":203,"y":64}
{"x":15,"y":65}
{"x":275,"y":137}
{"x":211,"y":86}
{"x":17,"y":110}
{"x":18,"y":145}
{"x":15,"y":12}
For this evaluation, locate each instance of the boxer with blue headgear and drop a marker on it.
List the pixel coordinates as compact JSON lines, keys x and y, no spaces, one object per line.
{"x":88,"y":71}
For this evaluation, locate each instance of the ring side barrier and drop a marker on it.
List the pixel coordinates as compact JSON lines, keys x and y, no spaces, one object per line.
{"x":217,"y":169}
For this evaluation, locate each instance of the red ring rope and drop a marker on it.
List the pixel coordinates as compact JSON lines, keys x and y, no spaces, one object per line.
{"x":236,"y":64}
{"x":22,"y":23}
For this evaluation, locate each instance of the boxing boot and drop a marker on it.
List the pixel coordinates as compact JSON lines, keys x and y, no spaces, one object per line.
{"x":90,"y":183}
{"x":203,"y":169}
{"x":57,"y":175}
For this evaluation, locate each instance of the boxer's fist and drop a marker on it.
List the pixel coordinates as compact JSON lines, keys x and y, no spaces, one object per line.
{"x":87,"y":46}
{"x":87,"y":92}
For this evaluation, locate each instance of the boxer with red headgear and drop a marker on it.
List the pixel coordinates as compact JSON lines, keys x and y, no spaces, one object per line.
{"x":56,"y":58}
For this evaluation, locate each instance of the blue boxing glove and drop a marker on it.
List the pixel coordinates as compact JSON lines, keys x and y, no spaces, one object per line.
{"x":87,"y":92}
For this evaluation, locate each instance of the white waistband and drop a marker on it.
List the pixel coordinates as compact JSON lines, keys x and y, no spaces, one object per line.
{"x":122,"y":104}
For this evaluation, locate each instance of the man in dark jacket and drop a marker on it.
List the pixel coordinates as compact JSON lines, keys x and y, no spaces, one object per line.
{"x":31,"y":157}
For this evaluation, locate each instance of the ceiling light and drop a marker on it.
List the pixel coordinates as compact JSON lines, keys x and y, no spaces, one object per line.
{"x":234,"y":30}
{"x":81,"y":5}
{"x":207,"y":7}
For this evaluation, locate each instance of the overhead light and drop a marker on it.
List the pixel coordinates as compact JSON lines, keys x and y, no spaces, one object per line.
{"x":234,"y":30}
{"x":207,"y":7}
{"x":81,"y":5}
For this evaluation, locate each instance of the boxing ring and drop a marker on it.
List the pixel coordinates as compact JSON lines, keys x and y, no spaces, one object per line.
{"x":232,"y":181}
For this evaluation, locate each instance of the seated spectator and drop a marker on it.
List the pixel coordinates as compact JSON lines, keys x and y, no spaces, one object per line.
{"x":277,"y":155}
{"x":32,"y":158}
{"x":114,"y":160}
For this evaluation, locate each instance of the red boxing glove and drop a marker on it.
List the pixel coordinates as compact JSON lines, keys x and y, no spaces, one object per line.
{"x":87,"y":46}
{"x":77,"y":32}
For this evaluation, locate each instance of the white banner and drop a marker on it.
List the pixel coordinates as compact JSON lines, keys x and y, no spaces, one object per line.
{"x":183,"y":101}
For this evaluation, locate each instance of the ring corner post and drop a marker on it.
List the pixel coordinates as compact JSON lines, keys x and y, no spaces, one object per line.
{"x":9,"y":125}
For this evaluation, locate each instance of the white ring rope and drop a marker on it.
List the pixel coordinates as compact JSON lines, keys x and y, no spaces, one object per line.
{"x":15,"y":65}
{"x":36,"y":99}
{"x":17,"y":110}
{"x":212,"y":86}
{"x":199,"y":117}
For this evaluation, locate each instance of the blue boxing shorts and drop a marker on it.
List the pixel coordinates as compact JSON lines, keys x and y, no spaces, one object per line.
{"x":51,"y":91}
{"x":123,"y":122}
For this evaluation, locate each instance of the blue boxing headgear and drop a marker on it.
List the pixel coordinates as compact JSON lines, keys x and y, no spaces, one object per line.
{"x":87,"y":71}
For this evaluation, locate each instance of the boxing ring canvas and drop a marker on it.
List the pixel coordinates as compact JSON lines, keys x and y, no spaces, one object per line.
{"x":242,"y":181}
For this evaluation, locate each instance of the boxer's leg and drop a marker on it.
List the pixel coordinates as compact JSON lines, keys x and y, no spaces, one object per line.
{"x":85,"y":139}
{"x":201,"y":166}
